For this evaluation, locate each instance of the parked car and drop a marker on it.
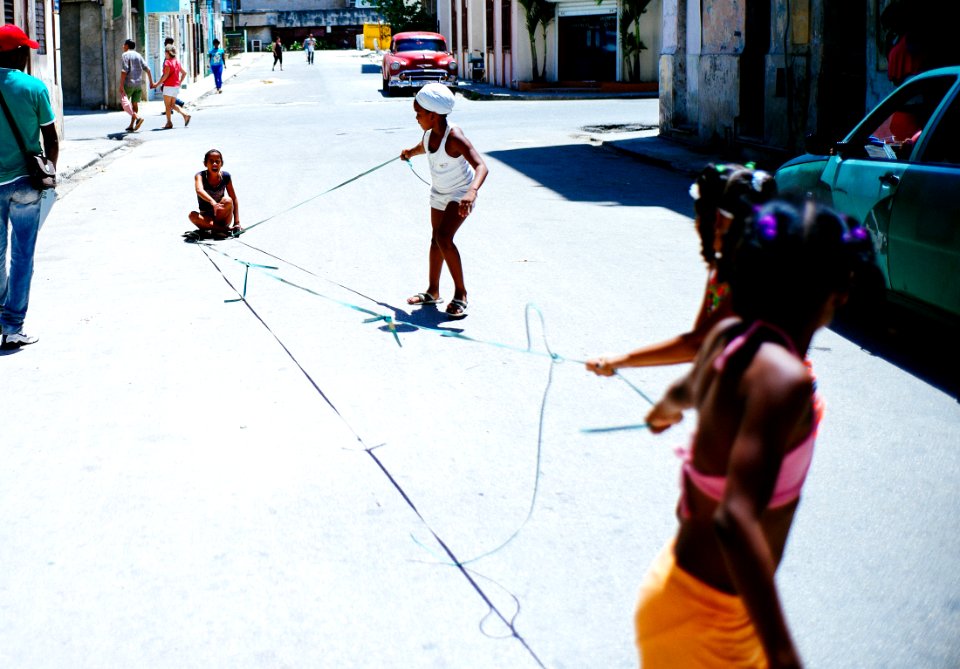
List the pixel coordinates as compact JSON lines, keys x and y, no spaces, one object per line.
{"x":416,"y":59}
{"x":898,"y":172}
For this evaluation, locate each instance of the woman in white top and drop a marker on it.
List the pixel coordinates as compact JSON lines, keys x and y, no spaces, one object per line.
{"x":457,"y":172}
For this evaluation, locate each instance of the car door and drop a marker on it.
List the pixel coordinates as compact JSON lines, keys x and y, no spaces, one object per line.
{"x":923,"y":253}
{"x":865,"y":176}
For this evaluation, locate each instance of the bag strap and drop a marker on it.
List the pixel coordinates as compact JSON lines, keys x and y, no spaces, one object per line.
{"x":14,"y":128}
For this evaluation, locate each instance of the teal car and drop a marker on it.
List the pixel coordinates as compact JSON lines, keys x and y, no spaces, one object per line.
{"x":898,"y":172}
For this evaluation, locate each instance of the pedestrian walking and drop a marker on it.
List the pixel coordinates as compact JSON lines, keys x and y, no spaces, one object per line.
{"x":277,"y":54}
{"x":170,"y":81}
{"x":723,"y":196}
{"x":457,"y":171}
{"x":28,"y":102}
{"x":132,"y":69}
{"x":217,"y":63}
{"x":168,"y":41}
{"x":219,"y":213}
{"x":710,"y":599}
{"x":309,"y":45}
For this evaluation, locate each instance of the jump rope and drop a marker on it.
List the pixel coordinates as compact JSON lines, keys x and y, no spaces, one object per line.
{"x":390,"y":323}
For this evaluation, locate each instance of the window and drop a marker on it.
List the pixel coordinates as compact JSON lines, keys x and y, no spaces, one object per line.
{"x":40,"y":12}
{"x":944,"y":144}
{"x":421,"y":45}
{"x":506,"y":23}
{"x":891,"y":132}
{"x":8,"y":11}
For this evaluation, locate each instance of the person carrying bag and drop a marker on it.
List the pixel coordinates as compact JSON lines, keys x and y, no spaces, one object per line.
{"x":27,"y":179}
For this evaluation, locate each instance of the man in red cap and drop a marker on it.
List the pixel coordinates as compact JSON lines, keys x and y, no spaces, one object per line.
{"x":29,"y":103}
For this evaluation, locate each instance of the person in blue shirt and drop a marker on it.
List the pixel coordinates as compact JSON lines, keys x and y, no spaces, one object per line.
{"x":217,"y":64}
{"x":29,"y":102}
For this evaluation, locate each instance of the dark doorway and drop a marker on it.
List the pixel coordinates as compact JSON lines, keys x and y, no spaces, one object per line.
{"x":841,"y":95}
{"x":587,"y":48}
{"x":753,"y":69}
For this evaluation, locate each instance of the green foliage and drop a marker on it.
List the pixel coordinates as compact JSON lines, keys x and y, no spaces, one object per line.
{"x":402,"y":17}
{"x":631,"y":11}
{"x":538,"y":13}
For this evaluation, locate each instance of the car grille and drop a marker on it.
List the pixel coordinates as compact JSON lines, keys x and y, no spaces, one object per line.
{"x":426,"y":76}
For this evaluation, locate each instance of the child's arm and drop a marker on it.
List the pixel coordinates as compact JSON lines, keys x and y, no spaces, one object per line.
{"x":417,"y":150}
{"x":236,"y":205}
{"x":163,"y":78}
{"x":201,"y":193}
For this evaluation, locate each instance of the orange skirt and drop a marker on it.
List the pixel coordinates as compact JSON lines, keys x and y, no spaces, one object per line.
{"x":682,"y":622}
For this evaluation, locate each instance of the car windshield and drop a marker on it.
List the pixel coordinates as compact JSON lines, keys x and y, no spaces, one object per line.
{"x":896,"y":127}
{"x":421,"y":44}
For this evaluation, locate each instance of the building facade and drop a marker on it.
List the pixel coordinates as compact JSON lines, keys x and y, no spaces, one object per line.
{"x":93,"y":36}
{"x":585,"y":41}
{"x":253,"y":24}
{"x":761,"y":76}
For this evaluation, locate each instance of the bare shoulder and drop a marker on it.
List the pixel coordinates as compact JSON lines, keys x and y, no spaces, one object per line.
{"x":778,"y":375}
{"x":458,"y":141}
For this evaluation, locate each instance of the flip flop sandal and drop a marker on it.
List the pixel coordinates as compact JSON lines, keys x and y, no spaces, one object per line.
{"x":424,"y":298}
{"x":459,"y":305}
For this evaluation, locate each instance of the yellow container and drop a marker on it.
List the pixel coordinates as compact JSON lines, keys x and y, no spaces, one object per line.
{"x":376,"y":34}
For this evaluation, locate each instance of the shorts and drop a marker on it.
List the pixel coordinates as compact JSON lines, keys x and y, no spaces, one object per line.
{"x":134,"y":93}
{"x":440,"y":200}
{"x":683,"y":622}
{"x":171,"y":91}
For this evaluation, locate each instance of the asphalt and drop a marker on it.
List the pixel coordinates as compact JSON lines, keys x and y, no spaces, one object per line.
{"x":649,"y":147}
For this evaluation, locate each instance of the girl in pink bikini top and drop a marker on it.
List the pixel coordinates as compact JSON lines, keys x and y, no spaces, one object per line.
{"x":795,"y":464}
{"x":792,"y":269}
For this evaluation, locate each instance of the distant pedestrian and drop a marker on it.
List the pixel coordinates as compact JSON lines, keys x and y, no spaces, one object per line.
{"x":723,"y":195}
{"x":132,"y":68}
{"x":710,"y":599}
{"x":277,"y":54}
{"x":168,"y":41}
{"x":219,"y":213}
{"x":217,"y":63}
{"x":457,"y":171}
{"x":170,"y":81}
{"x":309,"y":45}
{"x":28,"y":100}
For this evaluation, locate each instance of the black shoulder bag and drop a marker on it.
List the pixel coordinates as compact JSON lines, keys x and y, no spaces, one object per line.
{"x":42,"y":172}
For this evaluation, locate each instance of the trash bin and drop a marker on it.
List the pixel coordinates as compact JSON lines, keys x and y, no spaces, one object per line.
{"x":477,"y":68}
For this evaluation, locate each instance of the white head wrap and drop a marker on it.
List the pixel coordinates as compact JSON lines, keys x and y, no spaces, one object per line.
{"x":436,"y":98}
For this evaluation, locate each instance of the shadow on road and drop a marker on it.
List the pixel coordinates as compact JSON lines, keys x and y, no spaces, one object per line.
{"x":369,"y":68}
{"x":566,"y":170}
{"x":918,"y":344}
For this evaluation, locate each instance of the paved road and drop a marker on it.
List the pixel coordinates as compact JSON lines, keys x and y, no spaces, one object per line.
{"x":192,"y":481}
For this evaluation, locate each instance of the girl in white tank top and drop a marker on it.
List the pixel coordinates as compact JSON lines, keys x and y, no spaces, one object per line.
{"x":457,"y":172}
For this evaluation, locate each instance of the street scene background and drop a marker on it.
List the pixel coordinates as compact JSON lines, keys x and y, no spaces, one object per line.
{"x":196,"y":481}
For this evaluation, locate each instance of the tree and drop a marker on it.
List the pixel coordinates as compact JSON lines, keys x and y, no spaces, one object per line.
{"x":539,"y":13}
{"x":630,"y":13}
{"x":401,"y":16}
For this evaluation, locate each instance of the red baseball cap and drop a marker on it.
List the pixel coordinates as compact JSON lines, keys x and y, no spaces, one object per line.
{"x":12,"y":36}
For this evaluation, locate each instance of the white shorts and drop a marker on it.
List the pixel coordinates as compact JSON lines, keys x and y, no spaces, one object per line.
{"x":171,"y":91}
{"x":440,"y":200}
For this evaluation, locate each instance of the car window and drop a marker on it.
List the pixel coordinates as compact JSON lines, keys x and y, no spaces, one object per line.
{"x":891,"y":132}
{"x":425,"y":44}
{"x":944,"y":144}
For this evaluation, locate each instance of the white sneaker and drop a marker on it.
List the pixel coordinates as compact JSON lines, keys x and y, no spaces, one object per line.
{"x":12,"y":341}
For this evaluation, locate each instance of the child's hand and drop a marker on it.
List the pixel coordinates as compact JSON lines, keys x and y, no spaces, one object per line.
{"x":661,"y":418}
{"x":601,"y":367}
{"x":466,"y":203}
{"x":405,"y":154}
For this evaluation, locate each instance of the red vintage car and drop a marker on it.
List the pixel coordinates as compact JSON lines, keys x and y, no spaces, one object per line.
{"x":416,"y":59}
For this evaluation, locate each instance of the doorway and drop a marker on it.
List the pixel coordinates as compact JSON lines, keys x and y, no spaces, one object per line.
{"x":587,"y":47}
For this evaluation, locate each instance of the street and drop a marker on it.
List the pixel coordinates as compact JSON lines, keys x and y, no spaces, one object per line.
{"x":195,"y":481}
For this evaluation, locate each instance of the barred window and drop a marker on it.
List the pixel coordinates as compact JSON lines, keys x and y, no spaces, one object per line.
{"x":40,"y":9}
{"x":8,"y":11}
